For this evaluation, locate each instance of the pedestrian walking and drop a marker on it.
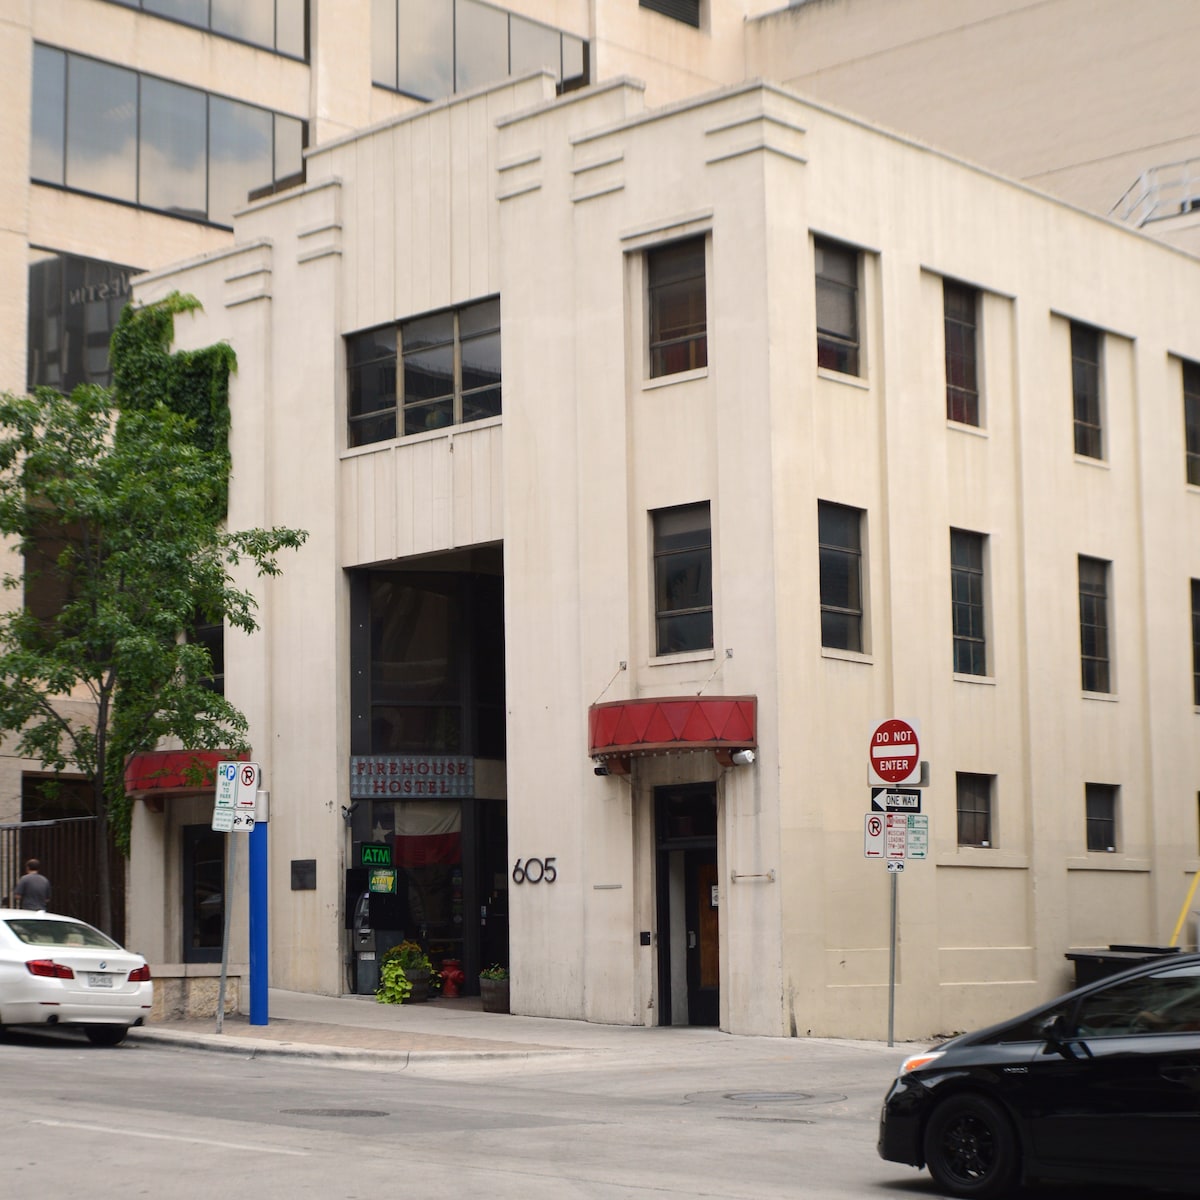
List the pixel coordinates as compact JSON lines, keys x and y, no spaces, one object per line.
{"x":33,"y":888}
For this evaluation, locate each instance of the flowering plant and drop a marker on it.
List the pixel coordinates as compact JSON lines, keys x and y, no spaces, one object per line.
{"x":495,"y":971}
{"x":409,"y":956}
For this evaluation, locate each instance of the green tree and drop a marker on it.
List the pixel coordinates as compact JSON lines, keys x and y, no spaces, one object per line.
{"x":117,"y":504}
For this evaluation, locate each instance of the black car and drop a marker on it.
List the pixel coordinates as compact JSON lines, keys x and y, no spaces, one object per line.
{"x":1102,"y":1085}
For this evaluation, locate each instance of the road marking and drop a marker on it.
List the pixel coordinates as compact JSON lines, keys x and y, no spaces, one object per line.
{"x":170,"y":1137}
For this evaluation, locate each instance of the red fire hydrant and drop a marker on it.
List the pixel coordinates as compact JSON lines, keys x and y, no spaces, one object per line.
{"x":452,"y":977}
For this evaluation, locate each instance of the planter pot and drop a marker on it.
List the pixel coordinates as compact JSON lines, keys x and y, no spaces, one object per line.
{"x":420,"y":986}
{"x":494,"y":993}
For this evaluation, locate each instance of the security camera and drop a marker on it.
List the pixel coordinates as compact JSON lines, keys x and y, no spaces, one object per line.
{"x":742,"y":758}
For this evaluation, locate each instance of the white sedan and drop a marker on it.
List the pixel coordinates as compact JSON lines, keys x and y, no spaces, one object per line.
{"x":55,"y":970}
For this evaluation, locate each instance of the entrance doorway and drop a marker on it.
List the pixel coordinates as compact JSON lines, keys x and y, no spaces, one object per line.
{"x":689,"y":967}
{"x":203,"y":894}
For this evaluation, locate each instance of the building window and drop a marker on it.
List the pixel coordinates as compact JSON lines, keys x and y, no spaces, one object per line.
{"x":683,"y":618}
{"x":967,"y":602}
{"x":677,"y":303}
{"x":211,"y":635}
{"x":275,"y":24}
{"x":1101,"y":800}
{"x":74,"y":306}
{"x":1093,"y":624}
{"x":1085,"y":390}
{"x":837,"y":307}
{"x":961,"y":305}
{"x":687,"y":11}
{"x":839,"y":532}
{"x":1191,"y":420}
{"x":449,"y":373}
{"x":146,"y":141}
{"x":1196,"y":642}
{"x":974,"y":809}
{"x":430,"y":49}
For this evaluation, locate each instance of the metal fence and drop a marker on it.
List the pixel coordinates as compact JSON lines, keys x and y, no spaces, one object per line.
{"x":66,"y":849}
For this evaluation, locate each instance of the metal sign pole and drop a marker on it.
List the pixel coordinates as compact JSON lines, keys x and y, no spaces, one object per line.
{"x":892,"y":965}
{"x":231,"y":845}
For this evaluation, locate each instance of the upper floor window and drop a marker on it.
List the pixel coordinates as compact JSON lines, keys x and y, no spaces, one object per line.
{"x":449,"y":373}
{"x":142,"y":140}
{"x":275,"y":24}
{"x":1101,"y":803}
{"x":961,"y":306}
{"x":434,"y":48}
{"x":678,"y":307}
{"x":1085,"y":390}
{"x":1196,"y":642}
{"x":839,"y":532}
{"x":974,"y":802}
{"x":837,"y":307}
{"x":687,"y":11}
{"x":1093,"y":624}
{"x":74,"y":306}
{"x":967,"y":602}
{"x":1191,"y":419}
{"x":683,"y":618}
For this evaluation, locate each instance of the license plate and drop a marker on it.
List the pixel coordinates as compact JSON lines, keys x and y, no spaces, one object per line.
{"x":95,"y":979}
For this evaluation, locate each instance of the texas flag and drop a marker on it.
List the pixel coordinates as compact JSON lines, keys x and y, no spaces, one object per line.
{"x":428,"y":832}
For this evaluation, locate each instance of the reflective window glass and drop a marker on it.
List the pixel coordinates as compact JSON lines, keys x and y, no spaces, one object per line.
{"x":289,"y":27}
{"x":573,"y":66}
{"x":174,"y":127}
{"x":289,"y":147}
{"x":102,"y":129}
{"x":425,"y":48}
{"x":49,"y":114}
{"x":383,"y":42}
{"x":249,"y":20}
{"x":194,"y":12}
{"x":242,"y":157}
{"x":683,"y":579}
{"x":481,"y":44}
{"x":534,"y":46}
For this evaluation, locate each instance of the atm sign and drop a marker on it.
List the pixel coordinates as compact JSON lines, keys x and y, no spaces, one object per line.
{"x":376,"y":854}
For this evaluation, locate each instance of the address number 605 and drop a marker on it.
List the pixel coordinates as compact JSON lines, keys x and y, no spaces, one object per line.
{"x":535,"y":870}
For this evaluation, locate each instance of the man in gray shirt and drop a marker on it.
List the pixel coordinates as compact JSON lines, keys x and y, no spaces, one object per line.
{"x":33,"y":888}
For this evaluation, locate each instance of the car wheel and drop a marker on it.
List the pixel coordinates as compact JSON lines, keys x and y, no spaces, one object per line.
{"x":970,"y":1148}
{"x":106,"y":1035}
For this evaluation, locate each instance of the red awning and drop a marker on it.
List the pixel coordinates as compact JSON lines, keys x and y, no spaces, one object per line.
{"x":625,"y":729}
{"x":156,"y":774}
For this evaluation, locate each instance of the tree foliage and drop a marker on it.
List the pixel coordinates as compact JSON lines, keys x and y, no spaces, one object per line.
{"x":116,"y":499}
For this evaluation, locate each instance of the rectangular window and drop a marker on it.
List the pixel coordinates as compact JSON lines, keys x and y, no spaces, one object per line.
{"x":1196,"y":642}
{"x":967,"y":602}
{"x":974,"y":809}
{"x":837,"y":307}
{"x":1101,"y":800}
{"x":117,"y":133}
{"x":678,"y":307}
{"x":273,"y":24}
{"x":1191,"y":420}
{"x":447,"y":365}
{"x":683,"y":579}
{"x":839,"y":532}
{"x":1093,"y":624}
{"x":687,"y":11}
{"x":1085,"y":390}
{"x":961,"y":306}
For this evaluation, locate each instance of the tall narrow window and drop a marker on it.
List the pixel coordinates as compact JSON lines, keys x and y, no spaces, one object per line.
{"x":1191,"y":419}
{"x":839,"y":532}
{"x":974,"y":809}
{"x":1196,"y":642}
{"x":837,"y":307}
{"x":678,"y":309}
{"x":961,"y":305}
{"x":1085,"y":390}
{"x":967,"y":602}
{"x":683,"y":579}
{"x":1101,"y":801}
{"x":1093,"y":624}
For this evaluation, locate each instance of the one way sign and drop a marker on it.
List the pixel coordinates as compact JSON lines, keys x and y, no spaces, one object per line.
{"x":895,"y":800}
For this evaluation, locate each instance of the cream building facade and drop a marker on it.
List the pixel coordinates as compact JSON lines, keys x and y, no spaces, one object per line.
{"x":807,"y":463}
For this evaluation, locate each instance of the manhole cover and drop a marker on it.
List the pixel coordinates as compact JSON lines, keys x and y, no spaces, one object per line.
{"x":333,"y":1112}
{"x":769,"y":1097}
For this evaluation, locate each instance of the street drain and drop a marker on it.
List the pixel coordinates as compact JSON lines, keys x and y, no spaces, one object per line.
{"x":333,"y":1112}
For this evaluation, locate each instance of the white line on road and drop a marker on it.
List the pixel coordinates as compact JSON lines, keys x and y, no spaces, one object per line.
{"x":170,"y":1137}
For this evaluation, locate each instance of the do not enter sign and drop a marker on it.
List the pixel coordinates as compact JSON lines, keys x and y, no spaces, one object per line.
{"x":895,"y":755}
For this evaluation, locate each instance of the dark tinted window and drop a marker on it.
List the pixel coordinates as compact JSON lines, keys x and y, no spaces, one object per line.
{"x":840,"y":537}
{"x":678,"y":307}
{"x":1085,"y":388}
{"x":683,"y":579}
{"x":837,"y":307}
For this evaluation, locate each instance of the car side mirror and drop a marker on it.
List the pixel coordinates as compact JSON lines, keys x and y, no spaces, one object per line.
{"x":1061,"y":1037}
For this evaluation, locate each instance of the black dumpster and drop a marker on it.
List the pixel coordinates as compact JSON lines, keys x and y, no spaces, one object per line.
{"x":1091,"y":965}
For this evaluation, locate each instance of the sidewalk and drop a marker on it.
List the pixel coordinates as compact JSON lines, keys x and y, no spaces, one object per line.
{"x":357,"y":1029}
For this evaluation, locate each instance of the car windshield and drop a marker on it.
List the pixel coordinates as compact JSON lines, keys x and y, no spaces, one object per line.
{"x":34,"y":931}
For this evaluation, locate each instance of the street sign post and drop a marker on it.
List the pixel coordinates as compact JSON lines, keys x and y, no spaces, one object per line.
{"x":895,"y":800}
{"x":894,"y":755}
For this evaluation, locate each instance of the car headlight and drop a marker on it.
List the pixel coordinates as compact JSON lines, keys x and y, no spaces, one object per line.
{"x":915,"y":1062}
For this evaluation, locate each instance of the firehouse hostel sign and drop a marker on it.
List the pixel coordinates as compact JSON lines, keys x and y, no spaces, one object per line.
{"x":377,"y":776}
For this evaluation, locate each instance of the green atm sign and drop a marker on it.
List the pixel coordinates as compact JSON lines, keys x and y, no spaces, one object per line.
{"x":376,"y":854}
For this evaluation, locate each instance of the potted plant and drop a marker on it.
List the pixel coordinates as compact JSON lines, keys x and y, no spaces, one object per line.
{"x":493,"y":988}
{"x":405,"y":973}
